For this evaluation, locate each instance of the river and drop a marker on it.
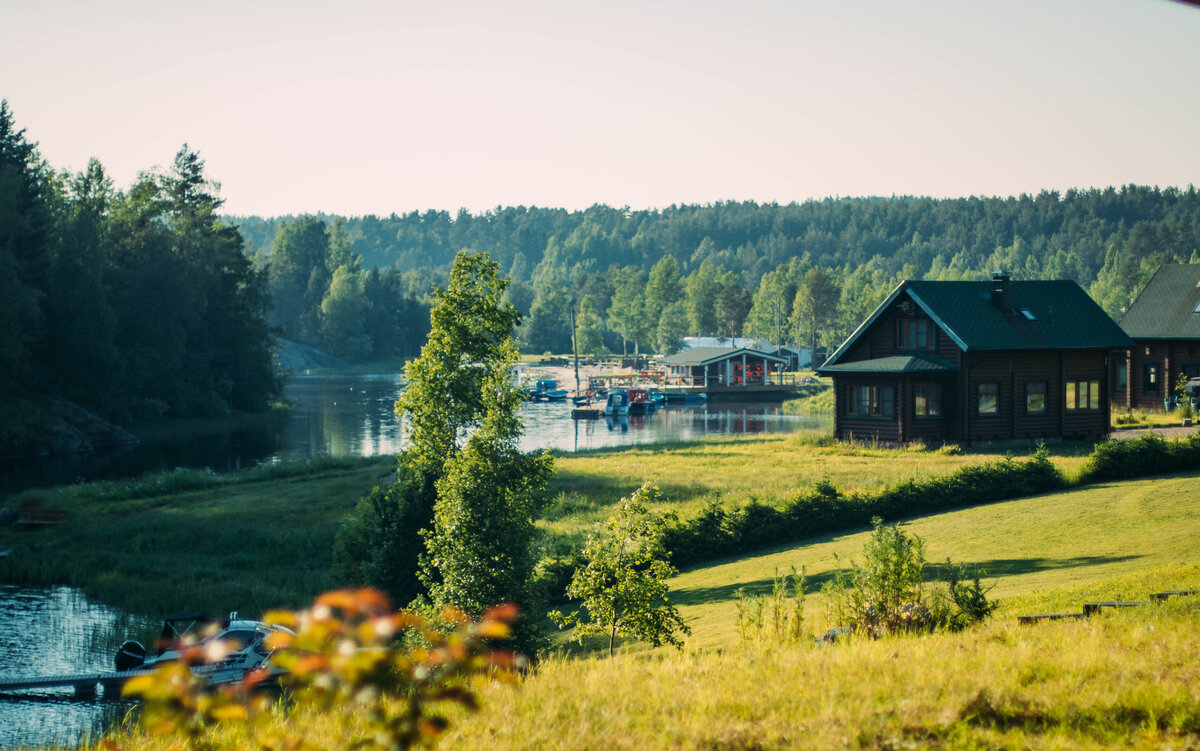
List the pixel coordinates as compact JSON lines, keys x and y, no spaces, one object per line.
{"x":336,"y":414}
{"x":56,"y":631}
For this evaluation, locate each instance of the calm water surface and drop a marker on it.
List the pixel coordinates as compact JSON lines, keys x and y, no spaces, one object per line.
{"x":54,"y":632}
{"x":352,"y":415}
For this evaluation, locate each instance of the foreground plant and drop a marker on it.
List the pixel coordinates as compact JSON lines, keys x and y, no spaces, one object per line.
{"x":385,"y":677}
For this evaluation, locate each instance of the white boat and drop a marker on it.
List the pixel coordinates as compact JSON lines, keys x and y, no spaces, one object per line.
{"x":243,"y":640}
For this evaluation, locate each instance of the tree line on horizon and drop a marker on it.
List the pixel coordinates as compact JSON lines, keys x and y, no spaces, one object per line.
{"x":137,"y":304}
{"x":796,"y":273}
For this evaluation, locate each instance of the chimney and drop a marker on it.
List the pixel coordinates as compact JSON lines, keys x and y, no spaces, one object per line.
{"x":1000,"y":296}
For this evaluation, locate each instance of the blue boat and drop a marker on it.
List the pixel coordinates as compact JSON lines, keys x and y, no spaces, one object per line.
{"x":617,"y":403}
{"x":546,"y":390}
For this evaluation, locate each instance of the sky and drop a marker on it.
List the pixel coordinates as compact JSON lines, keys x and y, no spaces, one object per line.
{"x":381,"y":106}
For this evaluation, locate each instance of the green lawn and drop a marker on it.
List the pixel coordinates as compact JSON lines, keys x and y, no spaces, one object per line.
{"x":1028,"y":548}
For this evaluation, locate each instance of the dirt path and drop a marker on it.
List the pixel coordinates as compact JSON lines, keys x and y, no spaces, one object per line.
{"x":1166,"y":432}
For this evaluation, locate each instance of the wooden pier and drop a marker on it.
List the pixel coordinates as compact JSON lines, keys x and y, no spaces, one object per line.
{"x":84,"y":684}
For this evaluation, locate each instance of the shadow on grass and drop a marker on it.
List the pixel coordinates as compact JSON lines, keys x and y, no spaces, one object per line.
{"x":990,"y":569}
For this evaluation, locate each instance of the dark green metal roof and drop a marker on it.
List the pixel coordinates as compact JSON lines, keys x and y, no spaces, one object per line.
{"x":894,"y":364}
{"x":706,"y":355}
{"x":1166,"y":308}
{"x":1045,"y":315}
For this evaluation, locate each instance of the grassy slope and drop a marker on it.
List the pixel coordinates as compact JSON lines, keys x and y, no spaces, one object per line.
{"x":1127,"y":678}
{"x":246,"y":543}
{"x":769,"y":468}
{"x":255,"y":541}
{"x":1061,"y":541}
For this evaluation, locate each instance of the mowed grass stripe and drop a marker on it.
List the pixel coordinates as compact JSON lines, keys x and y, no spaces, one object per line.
{"x":1025,"y":547}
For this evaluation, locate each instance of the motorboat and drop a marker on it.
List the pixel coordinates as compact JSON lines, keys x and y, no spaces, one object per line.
{"x":617,"y":402}
{"x":547,"y":390}
{"x":640,"y":402}
{"x":243,"y":649}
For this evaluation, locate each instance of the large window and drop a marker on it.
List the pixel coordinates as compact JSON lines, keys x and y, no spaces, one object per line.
{"x":1035,"y":398}
{"x":989,"y":399}
{"x":1083,"y":395}
{"x":1150,"y":377}
{"x":1120,"y":375}
{"x":871,"y":401}
{"x":927,"y":400}
{"x":914,"y":333}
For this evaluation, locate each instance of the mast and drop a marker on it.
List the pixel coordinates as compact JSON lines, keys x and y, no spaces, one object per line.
{"x":574,"y":345}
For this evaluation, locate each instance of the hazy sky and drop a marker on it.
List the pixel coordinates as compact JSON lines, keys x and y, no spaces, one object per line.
{"x":374,"y":106}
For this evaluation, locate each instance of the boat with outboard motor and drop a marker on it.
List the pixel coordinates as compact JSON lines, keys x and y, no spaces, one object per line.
{"x":243,"y":649}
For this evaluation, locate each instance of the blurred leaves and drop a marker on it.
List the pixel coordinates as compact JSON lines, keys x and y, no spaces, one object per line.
{"x":386,"y":676}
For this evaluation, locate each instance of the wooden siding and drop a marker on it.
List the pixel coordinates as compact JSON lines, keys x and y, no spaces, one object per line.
{"x":857,"y":427}
{"x":1171,"y":356}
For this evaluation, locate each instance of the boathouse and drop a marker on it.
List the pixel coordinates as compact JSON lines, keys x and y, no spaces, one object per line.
{"x":970,"y":362}
{"x":734,"y":372}
{"x":1164,"y":323}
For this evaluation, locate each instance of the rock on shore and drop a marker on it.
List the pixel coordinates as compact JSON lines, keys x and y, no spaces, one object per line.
{"x":63,"y":428}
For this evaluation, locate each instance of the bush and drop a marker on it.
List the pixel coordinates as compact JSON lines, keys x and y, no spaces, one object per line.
{"x":887,"y":594}
{"x":1138,"y":457}
{"x":716,"y":532}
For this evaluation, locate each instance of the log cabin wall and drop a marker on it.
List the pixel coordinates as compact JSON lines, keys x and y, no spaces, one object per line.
{"x":1169,"y":358}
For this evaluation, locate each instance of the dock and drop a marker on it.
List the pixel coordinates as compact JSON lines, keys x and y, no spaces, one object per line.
{"x":84,"y":684}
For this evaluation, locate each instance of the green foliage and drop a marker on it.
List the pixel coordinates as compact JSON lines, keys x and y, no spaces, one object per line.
{"x":887,"y":594}
{"x":1138,"y":457}
{"x":716,"y":532}
{"x":383,"y":678}
{"x":774,"y":620}
{"x":622,"y":584}
{"x":672,"y":327}
{"x":471,"y":509}
{"x":490,"y":494}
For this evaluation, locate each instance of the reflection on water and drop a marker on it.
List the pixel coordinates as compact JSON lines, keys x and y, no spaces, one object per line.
{"x":352,"y":415}
{"x":54,"y":632}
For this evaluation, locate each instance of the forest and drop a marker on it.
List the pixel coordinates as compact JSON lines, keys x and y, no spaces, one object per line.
{"x":137,"y":304}
{"x":149,"y":302}
{"x":800,"y":272}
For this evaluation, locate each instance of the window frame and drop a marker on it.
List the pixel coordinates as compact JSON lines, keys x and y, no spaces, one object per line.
{"x":910,"y":332}
{"x":880,"y":401}
{"x":1091,"y":396}
{"x":1152,"y":367}
{"x":1032,"y":390}
{"x":932,"y":397}
{"x":993,"y":390}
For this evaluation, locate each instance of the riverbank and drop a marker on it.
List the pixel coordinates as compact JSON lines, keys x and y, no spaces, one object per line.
{"x":54,"y":427}
{"x":263,"y":538}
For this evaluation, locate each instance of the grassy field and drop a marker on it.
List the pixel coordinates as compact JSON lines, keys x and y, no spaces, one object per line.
{"x":250,"y":541}
{"x":768,"y":468}
{"x":1121,"y":679}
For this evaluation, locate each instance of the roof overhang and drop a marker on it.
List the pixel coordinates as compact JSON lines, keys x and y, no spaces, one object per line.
{"x":916,"y":364}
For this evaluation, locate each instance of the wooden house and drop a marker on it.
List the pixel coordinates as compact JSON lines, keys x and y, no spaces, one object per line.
{"x":1164,"y":323}
{"x":971,"y":362}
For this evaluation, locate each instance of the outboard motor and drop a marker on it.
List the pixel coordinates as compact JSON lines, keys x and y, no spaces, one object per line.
{"x":131,"y":655}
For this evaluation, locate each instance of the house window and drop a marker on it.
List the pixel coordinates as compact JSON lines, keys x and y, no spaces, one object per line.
{"x":989,"y":399}
{"x":914,"y":333}
{"x":927,"y":400}
{"x":1035,"y":398}
{"x":1083,"y":395}
{"x":871,"y":401}
{"x":1120,"y":375}
{"x":1150,"y":378}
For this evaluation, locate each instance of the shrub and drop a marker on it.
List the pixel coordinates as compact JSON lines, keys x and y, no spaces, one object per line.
{"x":784,"y":608}
{"x":887,"y":593}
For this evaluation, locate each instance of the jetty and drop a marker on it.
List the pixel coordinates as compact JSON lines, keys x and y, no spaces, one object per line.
{"x":85,"y":685}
